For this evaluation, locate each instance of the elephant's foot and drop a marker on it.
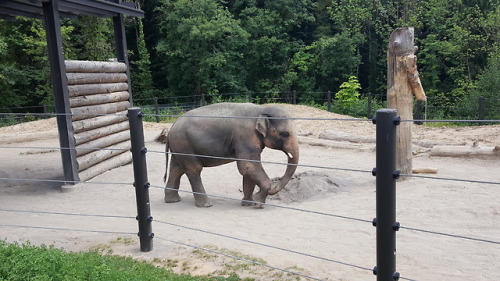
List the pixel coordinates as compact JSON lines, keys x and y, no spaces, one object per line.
{"x":247,"y":202}
{"x":202,"y":201}
{"x":172,"y":196}
{"x":257,"y":200}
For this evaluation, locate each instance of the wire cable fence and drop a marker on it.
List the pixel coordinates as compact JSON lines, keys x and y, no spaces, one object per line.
{"x":447,"y":109}
{"x":239,"y":239}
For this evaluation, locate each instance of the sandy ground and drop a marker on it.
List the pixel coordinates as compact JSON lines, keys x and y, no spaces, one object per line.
{"x":317,"y":214}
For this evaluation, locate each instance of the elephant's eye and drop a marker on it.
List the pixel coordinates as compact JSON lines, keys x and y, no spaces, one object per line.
{"x":284,"y":135}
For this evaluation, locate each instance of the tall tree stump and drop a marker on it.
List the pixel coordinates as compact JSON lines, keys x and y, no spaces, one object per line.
{"x":402,"y":83}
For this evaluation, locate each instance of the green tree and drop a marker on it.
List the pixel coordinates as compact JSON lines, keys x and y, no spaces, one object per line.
{"x":92,"y":38}
{"x":142,"y":79}
{"x":201,"y":46}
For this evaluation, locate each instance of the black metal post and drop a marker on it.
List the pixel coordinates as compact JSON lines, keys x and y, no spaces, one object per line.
{"x":369,"y":105}
{"x":329,"y":100}
{"x":157,"y":110}
{"x":294,"y":97}
{"x":203,"y":100}
{"x":386,"y":174}
{"x":418,"y":115}
{"x":60,"y":88}
{"x":481,"y":103}
{"x":121,"y":46}
{"x":141,"y":179}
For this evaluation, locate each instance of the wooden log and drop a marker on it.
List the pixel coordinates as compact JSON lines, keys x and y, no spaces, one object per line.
{"x":85,"y":112}
{"x":332,"y":144}
{"x":98,"y":99}
{"x":466,"y":151}
{"x":95,"y":78}
{"x":92,"y":89}
{"x":94,"y":134}
{"x":399,"y":93}
{"x":425,"y":171}
{"x":88,"y":160}
{"x":94,"y":66}
{"x":103,"y":142}
{"x":341,"y":136}
{"x":111,"y":163}
{"x":97,"y":122}
{"x":410,"y":62}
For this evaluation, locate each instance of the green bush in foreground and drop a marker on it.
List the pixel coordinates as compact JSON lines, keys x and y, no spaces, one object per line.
{"x":40,"y":263}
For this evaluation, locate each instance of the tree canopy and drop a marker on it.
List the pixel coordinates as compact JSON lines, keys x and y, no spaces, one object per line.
{"x":187,"y":47}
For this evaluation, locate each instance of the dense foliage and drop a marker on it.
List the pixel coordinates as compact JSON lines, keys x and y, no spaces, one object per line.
{"x":186,"y":47}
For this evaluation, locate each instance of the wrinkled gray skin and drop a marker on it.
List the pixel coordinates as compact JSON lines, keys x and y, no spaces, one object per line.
{"x":240,"y":138}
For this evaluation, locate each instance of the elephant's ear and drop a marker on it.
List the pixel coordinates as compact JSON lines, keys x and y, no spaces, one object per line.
{"x":262,"y":124}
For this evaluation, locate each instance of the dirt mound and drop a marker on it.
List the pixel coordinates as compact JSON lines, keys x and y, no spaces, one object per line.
{"x":310,"y":185}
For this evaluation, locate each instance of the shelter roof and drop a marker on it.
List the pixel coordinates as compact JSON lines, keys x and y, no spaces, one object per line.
{"x":68,"y":8}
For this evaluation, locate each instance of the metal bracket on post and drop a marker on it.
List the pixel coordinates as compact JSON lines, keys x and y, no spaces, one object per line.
{"x":386,"y":175}
{"x":141,"y":183}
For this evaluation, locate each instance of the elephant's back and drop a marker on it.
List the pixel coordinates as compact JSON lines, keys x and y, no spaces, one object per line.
{"x":225,"y":109}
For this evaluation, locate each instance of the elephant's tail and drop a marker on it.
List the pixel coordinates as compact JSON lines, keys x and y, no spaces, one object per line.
{"x":167,"y":148}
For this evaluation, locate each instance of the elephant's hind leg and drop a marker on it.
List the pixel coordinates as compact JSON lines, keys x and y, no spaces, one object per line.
{"x":173,"y":183}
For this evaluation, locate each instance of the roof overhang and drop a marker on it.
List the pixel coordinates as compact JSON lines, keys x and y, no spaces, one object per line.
{"x":68,"y":8}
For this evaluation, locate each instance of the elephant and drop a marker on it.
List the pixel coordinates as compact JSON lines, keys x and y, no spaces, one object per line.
{"x":221,"y":133}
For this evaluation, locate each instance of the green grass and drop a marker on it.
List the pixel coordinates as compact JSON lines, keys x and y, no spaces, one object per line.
{"x":40,"y":263}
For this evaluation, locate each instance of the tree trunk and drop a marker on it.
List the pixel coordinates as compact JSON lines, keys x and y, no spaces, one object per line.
{"x":111,"y":163}
{"x":95,"y":66}
{"x":92,"y":89}
{"x":93,"y":158}
{"x":399,"y":93}
{"x":103,"y":142}
{"x":94,"y":78}
{"x":99,"y":99}
{"x":85,"y":112}
{"x":94,"y":134}
{"x":100,"y":121}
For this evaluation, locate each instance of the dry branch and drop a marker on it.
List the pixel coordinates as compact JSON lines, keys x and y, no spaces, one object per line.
{"x":95,"y":66}
{"x":106,"y":165}
{"x":94,"y":134}
{"x":85,"y":112}
{"x":103,"y":142}
{"x":95,"y":78}
{"x":88,"y":160}
{"x":92,"y":89}
{"x":98,"y":99}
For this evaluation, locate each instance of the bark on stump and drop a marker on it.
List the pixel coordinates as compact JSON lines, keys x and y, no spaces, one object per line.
{"x":402,"y":83}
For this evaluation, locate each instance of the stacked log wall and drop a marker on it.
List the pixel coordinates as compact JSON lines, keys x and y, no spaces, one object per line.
{"x":99,"y":99}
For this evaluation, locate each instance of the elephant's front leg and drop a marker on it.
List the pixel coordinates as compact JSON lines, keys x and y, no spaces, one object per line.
{"x":254,"y":173}
{"x":248,"y":188}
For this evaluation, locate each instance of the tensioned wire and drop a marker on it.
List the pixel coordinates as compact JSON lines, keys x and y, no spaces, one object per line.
{"x":259,"y":161}
{"x":181,"y":243}
{"x":246,"y":117}
{"x":277,"y":206}
{"x":176,"y":225}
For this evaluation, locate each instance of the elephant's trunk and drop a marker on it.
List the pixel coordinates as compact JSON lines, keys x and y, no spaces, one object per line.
{"x":290,"y":170}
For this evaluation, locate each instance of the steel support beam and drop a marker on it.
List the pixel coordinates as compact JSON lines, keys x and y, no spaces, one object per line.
{"x":60,"y":88}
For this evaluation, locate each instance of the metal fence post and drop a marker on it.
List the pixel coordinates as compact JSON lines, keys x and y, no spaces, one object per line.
{"x":141,"y":183}
{"x":329,"y":100}
{"x":157,"y":110}
{"x":481,"y":104}
{"x":386,"y":175}
{"x":369,"y":105}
